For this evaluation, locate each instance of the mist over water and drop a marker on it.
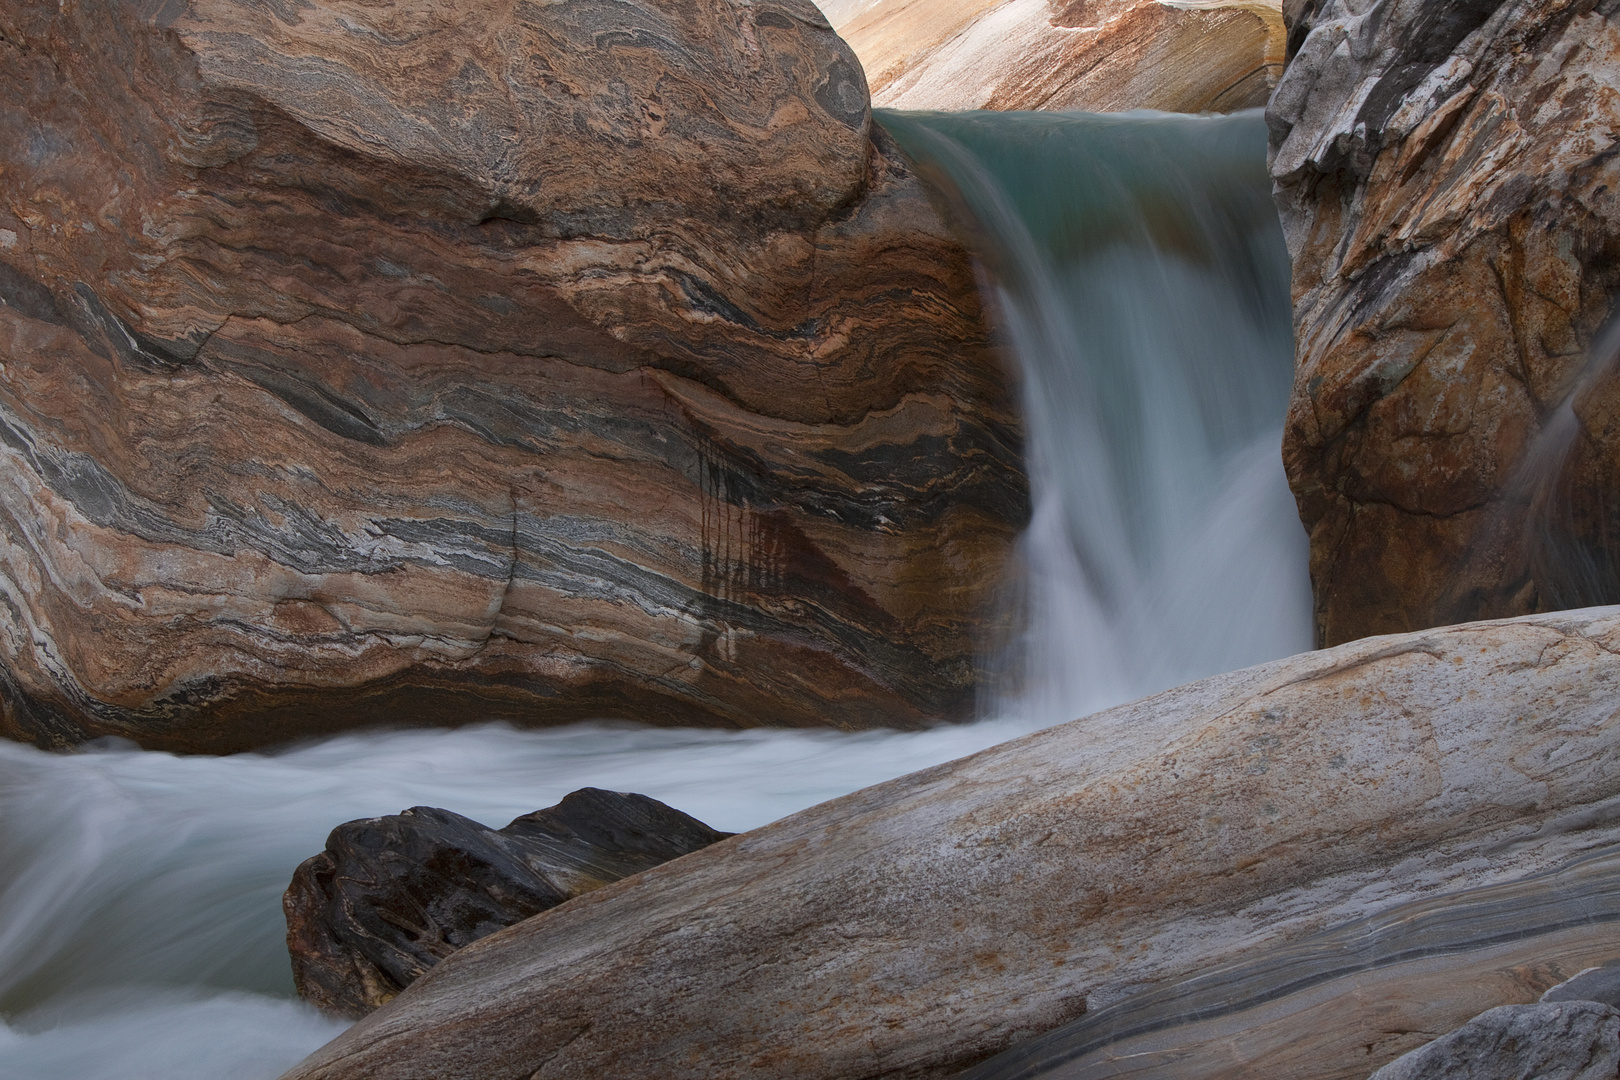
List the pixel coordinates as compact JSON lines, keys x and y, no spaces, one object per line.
{"x":1142,"y":282}
{"x":1140,"y":279}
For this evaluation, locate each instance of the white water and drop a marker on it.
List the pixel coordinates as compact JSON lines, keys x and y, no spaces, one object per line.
{"x":140,"y":923}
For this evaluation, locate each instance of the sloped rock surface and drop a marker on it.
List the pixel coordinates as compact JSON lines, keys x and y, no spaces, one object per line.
{"x":1570,"y":1040}
{"x":429,"y":362}
{"x":1097,"y":55}
{"x":919,"y":926}
{"x":1447,"y":180}
{"x":392,"y":896}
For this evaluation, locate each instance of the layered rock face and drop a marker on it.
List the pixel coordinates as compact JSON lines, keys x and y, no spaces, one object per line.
{"x":916,"y":927}
{"x":1098,"y":55}
{"x":437,"y":362}
{"x":1447,"y":178}
{"x":390,"y":897}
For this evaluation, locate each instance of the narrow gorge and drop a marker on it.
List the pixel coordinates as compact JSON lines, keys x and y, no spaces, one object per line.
{"x":414,"y":412}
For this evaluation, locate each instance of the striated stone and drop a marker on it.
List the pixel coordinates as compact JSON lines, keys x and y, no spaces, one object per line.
{"x":447,"y":361}
{"x":917,"y":927}
{"x":1335,"y":1005}
{"x":1098,"y":55}
{"x":392,"y":896}
{"x":1570,"y":1040}
{"x":1446,"y":175}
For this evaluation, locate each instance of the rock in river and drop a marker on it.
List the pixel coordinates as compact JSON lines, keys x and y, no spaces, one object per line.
{"x":1450,"y":190}
{"x":922,"y":925}
{"x":443,"y":360}
{"x":392,"y":896}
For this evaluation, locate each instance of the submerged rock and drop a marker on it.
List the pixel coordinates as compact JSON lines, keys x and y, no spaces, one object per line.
{"x":1568,"y":1040}
{"x":1448,"y":185}
{"x":392,"y":896}
{"x":919,"y":926}
{"x":408,"y":362}
{"x":1096,"y":55}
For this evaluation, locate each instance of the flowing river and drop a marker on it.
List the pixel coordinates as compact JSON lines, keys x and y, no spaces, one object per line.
{"x":1140,"y":279}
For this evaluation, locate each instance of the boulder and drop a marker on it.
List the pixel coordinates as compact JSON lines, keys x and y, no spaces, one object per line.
{"x":1335,"y":1005}
{"x":420,"y":362}
{"x":917,"y":927}
{"x":1098,"y":55}
{"x":1601,"y":984}
{"x":1446,"y":175}
{"x":1569,"y":1040}
{"x":392,"y":896}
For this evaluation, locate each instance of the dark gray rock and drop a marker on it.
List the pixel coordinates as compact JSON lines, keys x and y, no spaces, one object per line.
{"x":392,"y":896}
{"x":1600,"y":984}
{"x":1563,"y":1040}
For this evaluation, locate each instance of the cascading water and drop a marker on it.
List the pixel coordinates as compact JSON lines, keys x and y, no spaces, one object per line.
{"x":1142,"y":285}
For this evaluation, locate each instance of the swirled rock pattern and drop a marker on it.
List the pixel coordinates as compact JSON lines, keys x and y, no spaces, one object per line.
{"x":432,"y":362}
{"x":917,"y":927}
{"x":1448,"y":180}
{"x":1097,"y":55}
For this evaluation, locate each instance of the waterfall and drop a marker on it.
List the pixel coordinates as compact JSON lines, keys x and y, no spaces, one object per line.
{"x":1142,"y":284}
{"x":1138,"y":276}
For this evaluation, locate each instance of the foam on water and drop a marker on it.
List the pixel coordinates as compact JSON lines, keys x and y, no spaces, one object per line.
{"x":1141,"y":284}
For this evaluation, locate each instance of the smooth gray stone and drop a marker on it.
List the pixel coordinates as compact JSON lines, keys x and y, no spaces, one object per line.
{"x":1593,"y":984}
{"x":1557,"y":1040}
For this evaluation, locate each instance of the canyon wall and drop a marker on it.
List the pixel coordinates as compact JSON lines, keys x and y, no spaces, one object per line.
{"x":1097,"y":55}
{"x":440,"y":362}
{"x":1448,"y":180}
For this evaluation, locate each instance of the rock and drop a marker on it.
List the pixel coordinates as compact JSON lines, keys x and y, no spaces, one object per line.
{"x":1569,"y":1040}
{"x":1333,"y":1006}
{"x":1600,"y":984}
{"x":392,"y":896}
{"x":430,"y":362}
{"x":922,"y":925}
{"x":1097,"y":55}
{"x":1447,"y":183}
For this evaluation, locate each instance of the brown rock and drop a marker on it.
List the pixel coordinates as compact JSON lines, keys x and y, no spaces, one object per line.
{"x":1447,"y":183}
{"x":428,"y":362}
{"x":916,"y":927}
{"x":1098,"y":55}
{"x":392,"y":896}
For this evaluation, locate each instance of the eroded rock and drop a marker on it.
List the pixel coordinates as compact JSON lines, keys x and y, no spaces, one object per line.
{"x":417,"y":362}
{"x":1097,"y":55}
{"x":1448,"y":185}
{"x":919,"y":926}
{"x":1569,"y":1040}
{"x":392,"y":896}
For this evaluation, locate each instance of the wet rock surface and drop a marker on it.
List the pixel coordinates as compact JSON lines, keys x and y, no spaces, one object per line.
{"x":1448,"y":183}
{"x":390,"y":897}
{"x":424,"y":362}
{"x":1096,"y":55}
{"x":1569,"y":1040}
{"x":916,"y":928}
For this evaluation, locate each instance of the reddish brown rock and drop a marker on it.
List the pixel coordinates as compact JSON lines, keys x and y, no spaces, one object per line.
{"x":1447,"y":177}
{"x":437,"y":362}
{"x":390,"y":897}
{"x":1098,"y":55}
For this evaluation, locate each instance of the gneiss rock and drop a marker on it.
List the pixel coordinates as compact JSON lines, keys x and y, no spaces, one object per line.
{"x":917,"y":927}
{"x":1567,"y":1040}
{"x":1448,"y":185}
{"x":1098,"y":55}
{"x":421,"y":361}
{"x":392,"y":896}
